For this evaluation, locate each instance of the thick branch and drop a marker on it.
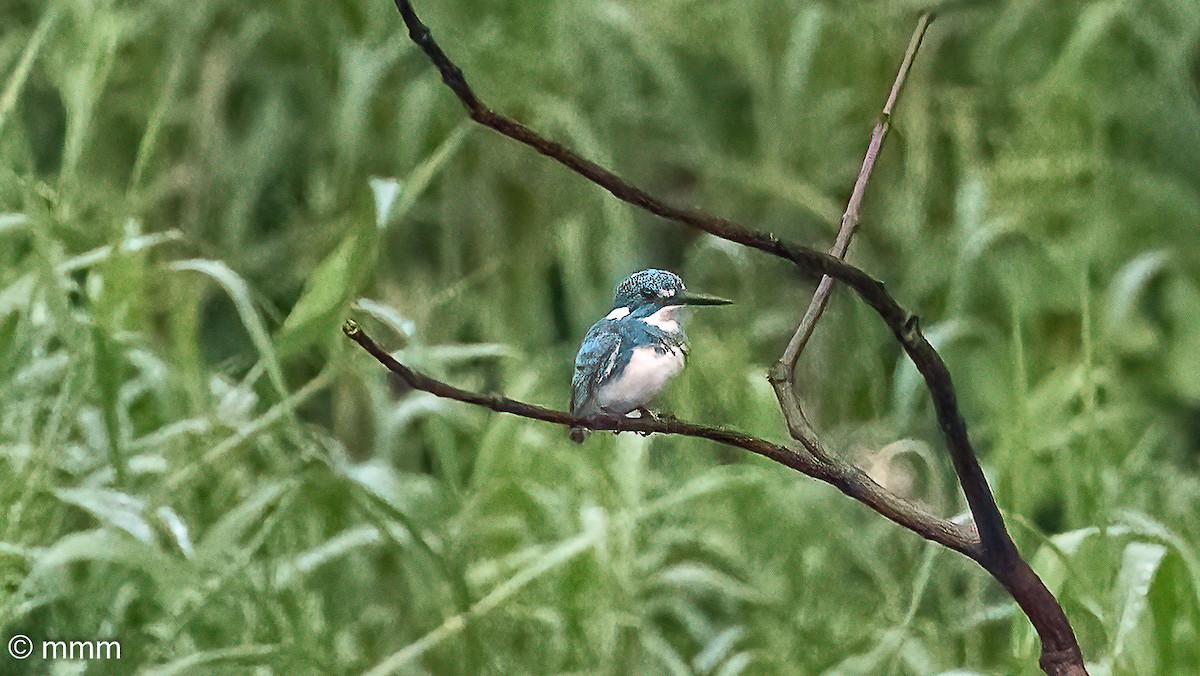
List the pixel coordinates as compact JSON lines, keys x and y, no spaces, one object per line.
{"x":846,"y":478}
{"x":783,"y":373}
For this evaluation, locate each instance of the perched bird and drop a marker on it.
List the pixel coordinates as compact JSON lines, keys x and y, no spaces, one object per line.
{"x":628,"y":356}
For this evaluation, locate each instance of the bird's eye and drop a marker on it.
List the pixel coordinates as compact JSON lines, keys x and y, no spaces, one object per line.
{"x":647,"y":293}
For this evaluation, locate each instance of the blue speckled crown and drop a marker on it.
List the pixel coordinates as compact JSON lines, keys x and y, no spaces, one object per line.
{"x":645,"y":285}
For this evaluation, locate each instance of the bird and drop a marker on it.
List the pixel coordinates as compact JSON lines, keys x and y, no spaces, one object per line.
{"x":628,"y":356}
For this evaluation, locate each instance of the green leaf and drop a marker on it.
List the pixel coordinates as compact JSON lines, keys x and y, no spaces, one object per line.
{"x":244,"y":656}
{"x":13,"y":223}
{"x":114,"y":508}
{"x":103,"y":545}
{"x":1139,"y":564}
{"x":1128,"y":326}
{"x":332,"y":549}
{"x":327,"y":293}
{"x":385,"y":191}
{"x":1183,"y":354}
{"x":499,"y":595}
{"x":227,"y":533}
{"x":394,"y":198}
{"x":239,"y":292}
{"x":109,"y":364}
{"x":16,"y":80}
{"x":388,"y":315}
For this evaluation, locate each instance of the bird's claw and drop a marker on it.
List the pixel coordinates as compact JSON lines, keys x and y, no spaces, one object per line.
{"x":657,"y":416}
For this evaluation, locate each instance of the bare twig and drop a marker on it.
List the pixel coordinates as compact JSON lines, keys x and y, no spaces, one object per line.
{"x":783,"y":373}
{"x":904,"y":326}
{"x":996,"y":553}
{"x":845,"y":477}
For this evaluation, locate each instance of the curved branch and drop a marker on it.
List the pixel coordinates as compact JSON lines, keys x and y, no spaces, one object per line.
{"x":996,"y":553}
{"x":845,"y":477}
{"x":783,"y":373}
{"x":815,"y":263}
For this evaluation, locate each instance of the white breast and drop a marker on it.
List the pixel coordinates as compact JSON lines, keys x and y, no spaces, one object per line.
{"x":665,"y":319}
{"x":648,"y":371}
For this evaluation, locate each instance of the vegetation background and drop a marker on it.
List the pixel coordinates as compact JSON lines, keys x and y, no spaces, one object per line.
{"x":194,"y":195}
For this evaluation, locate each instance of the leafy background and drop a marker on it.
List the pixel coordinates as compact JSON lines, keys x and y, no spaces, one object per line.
{"x":197,"y":463}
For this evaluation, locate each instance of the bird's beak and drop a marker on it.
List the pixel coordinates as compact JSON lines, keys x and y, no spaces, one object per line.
{"x":696,"y":299}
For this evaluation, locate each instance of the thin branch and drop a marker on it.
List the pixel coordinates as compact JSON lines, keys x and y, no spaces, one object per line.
{"x":783,"y":373}
{"x":807,"y":259}
{"x":904,"y":325}
{"x":845,"y":477}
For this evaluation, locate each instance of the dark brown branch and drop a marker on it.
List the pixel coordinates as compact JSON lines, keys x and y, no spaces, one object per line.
{"x":997,"y":554}
{"x":783,"y":373}
{"x":904,"y":325}
{"x":809,"y":260}
{"x":845,"y":477}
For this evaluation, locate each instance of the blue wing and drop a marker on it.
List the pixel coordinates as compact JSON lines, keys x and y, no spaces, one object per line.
{"x":597,"y":359}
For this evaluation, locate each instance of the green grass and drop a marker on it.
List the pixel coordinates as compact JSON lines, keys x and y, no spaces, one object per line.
{"x":193,"y":196}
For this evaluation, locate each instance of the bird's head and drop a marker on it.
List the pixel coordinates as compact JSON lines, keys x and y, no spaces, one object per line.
{"x":646,"y":292}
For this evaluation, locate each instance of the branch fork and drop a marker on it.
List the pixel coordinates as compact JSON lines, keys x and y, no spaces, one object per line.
{"x":985,"y":540}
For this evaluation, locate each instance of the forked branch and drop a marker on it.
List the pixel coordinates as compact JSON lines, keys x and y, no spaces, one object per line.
{"x":783,"y":373}
{"x":845,"y":477}
{"x":994,"y":550}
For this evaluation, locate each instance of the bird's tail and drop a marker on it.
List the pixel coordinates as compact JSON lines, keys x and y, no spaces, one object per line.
{"x":581,"y":411}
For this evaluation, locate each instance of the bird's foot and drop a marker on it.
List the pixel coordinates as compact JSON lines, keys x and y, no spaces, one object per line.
{"x":639,"y":414}
{"x":659,"y":416}
{"x":643,"y":413}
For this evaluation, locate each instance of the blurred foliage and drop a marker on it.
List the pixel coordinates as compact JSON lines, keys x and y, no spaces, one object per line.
{"x":196,"y":463}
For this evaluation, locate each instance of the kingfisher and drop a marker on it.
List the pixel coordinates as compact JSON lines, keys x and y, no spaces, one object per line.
{"x":629,"y":355}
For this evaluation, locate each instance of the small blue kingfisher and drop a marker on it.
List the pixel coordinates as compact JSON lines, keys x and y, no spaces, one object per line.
{"x":628,"y":356}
